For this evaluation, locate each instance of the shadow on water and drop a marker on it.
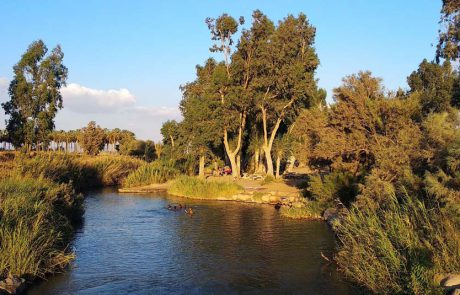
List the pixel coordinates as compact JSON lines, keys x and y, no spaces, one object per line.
{"x":131,"y":244}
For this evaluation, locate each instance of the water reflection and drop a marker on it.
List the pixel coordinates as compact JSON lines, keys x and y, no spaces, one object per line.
{"x":133,"y":244}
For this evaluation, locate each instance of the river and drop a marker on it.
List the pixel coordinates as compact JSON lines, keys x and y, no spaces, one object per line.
{"x":131,"y":244}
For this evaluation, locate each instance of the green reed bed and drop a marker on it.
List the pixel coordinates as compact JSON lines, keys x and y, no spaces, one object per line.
{"x":196,"y":188}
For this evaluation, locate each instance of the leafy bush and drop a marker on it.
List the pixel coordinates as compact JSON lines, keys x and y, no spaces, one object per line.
{"x":397,"y":246}
{"x":193,"y":187}
{"x":155,"y":172}
{"x":337,"y":185}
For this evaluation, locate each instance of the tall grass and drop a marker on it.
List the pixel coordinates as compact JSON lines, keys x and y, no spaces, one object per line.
{"x":310,"y":210}
{"x":109,"y":170}
{"x":193,"y":187}
{"x":36,"y":225}
{"x":7,"y":163}
{"x":82,"y":171}
{"x":398,"y":247}
{"x":155,"y":172}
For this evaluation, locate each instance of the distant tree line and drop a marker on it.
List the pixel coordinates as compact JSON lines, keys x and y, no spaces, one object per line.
{"x":35,"y":99}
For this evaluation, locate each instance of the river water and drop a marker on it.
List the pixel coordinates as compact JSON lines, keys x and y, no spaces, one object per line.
{"x":131,"y":244}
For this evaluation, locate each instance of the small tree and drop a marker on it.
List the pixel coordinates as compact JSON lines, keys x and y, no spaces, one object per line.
{"x":92,"y":138}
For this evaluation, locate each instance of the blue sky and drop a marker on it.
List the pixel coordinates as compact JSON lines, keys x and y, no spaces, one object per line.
{"x":126,"y":59}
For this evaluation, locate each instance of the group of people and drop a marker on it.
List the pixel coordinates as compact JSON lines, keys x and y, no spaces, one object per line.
{"x":222,"y":171}
{"x":179,"y":207}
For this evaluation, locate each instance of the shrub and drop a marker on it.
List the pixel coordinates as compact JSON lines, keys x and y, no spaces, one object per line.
{"x":397,"y":246}
{"x":336,"y":185}
{"x":193,"y":187}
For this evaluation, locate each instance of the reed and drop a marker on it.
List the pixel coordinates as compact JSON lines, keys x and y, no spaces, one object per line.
{"x":196,"y":188}
{"x":36,"y":225}
{"x":155,"y":172}
{"x":398,"y":247}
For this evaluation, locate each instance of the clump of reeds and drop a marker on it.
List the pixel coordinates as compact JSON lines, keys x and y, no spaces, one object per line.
{"x":397,"y":247}
{"x":155,"y":172}
{"x":36,"y":225}
{"x":193,"y":187}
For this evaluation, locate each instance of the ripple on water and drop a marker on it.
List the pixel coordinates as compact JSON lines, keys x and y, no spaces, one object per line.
{"x":133,"y":244}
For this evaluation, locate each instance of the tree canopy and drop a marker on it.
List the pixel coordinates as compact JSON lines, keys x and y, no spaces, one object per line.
{"x":35,"y":95}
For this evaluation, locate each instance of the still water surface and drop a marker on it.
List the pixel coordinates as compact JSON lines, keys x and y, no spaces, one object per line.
{"x":131,"y":244}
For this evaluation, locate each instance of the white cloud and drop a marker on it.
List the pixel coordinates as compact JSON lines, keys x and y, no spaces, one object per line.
{"x":4,"y":89}
{"x":112,"y":109}
{"x":82,"y":99}
{"x":157,"y":111}
{"x":109,"y":108}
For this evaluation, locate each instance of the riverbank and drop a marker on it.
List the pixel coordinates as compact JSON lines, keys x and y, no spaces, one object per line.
{"x":282,"y":192}
{"x":131,"y":244}
{"x":41,"y":203}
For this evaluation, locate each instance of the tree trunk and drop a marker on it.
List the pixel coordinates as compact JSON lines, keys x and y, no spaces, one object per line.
{"x":232,"y":155}
{"x":268,"y":141}
{"x":201,"y":168}
{"x":278,"y":163}
{"x":268,"y":160}
{"x":238,"y":164}
{"x":256,"y":160}
{"x":233,"y":164}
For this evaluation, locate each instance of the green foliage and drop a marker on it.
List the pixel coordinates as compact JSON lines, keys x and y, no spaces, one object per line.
{"x":398,"y":246}
{"x":196,"y":188}
{"x":310,"y":210}
{"x":83,"y":172}
{"x":35,"y":225}
{"x":92,"y":139}
{"x":35,"y":95}
{"x":449,"y":37}
{"x":436,"y":85}
{"x":327,"y":190}
{"x":155,"y":172}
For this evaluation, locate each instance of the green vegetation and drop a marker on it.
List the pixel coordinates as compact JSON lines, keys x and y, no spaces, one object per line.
{"x":82,"y":171}
{"x":39,"y":206}
{"x":36,"y":225}
{"x":155,"y":172}
{"x":35,"y":95}
{"x":389,"y":160}
{"x":196,"y":188}
{"x":309,"y":210}
{"x":398,"y":247}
